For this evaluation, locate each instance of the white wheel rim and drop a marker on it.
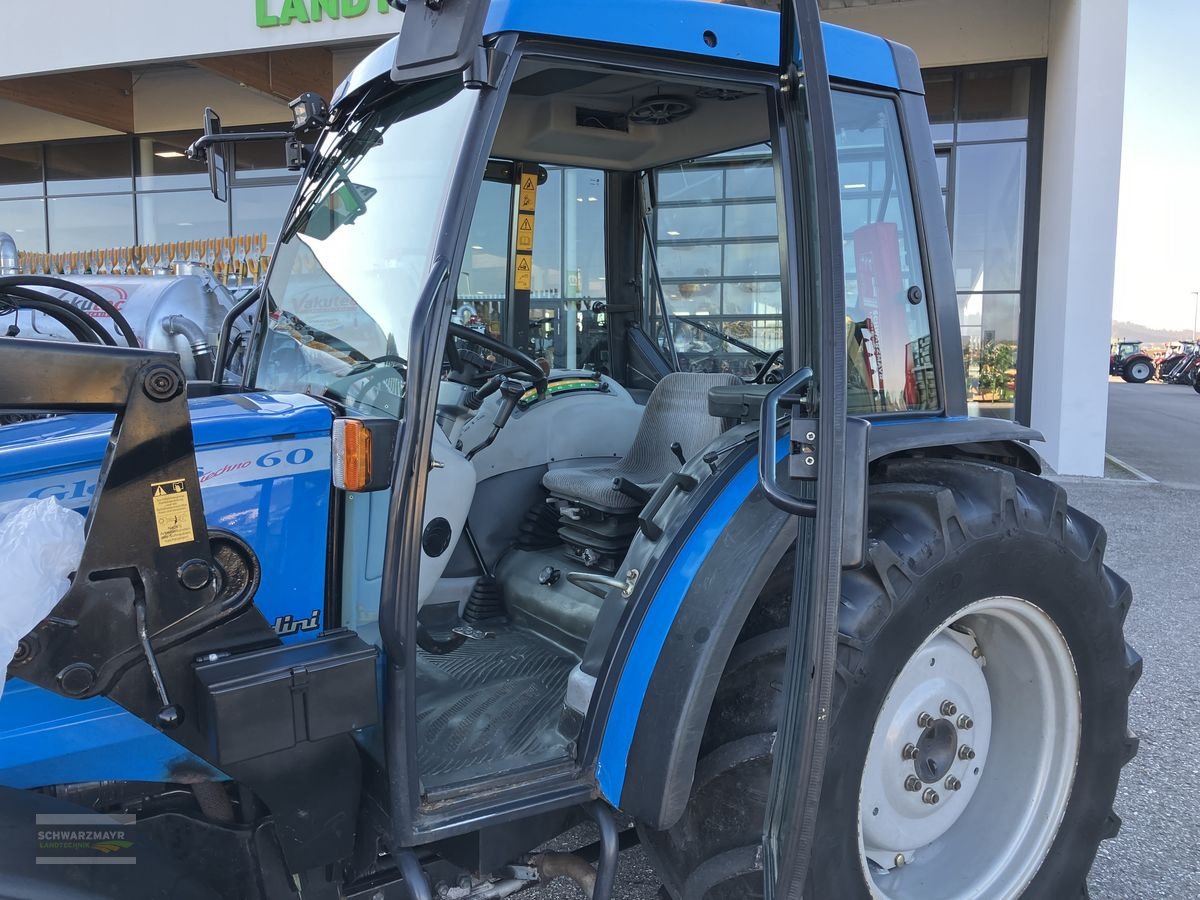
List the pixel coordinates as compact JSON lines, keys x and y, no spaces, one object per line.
{"x":1003,"y":663}
{"x":1140,"y":371}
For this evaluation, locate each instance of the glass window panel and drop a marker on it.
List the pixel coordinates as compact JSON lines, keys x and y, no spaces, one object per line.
{"x":752,"y":259}
{"x":181,"y":216}
{"x":752,"y":298}
{"x":888,"y":338}
{"x":990,"y":350}
{"x":939,"y":100}
{"x":261,"y":209}
{"x":485,"y":264}
{"x":989,"y":216}
{"x":751,"y":220}
{"x":548,"y":237}
{"x":689,"y":223}
{"x":25,"y":220}
{"x":91,"y":223}
{"x":161,"y":163}
{"x":751,"y":180}
{"x":89,"y":167}
{"x":583,"y":234}
{"x":693,"y":298}
{"x":993,"y":104}
{"x":20,"y":171}
{"x":694,"y":261}
{"x":690,"y":182}
{"x":261,"y":159}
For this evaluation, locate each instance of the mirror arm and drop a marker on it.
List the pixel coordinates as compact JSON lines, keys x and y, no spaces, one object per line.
{"x":198,"y":151}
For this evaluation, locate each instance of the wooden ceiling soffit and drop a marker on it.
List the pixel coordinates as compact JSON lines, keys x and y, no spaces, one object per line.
{"x":101,"y":97}
{"x":281,"y":74}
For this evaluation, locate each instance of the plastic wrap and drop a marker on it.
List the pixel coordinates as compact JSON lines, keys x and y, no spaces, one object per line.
{"x":41,"y":543}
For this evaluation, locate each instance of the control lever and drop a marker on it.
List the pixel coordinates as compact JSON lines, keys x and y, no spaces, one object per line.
{"x":511,"y":391}
{"x":171,"y":714}
{"x":677,"y":449}
{"x":475,"y":399}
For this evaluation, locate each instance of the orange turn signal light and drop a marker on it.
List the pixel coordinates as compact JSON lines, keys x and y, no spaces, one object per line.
{"x":352,"y":454}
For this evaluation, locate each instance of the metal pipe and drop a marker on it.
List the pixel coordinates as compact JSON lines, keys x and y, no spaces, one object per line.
{"x":9,"y":260}
{"x":202,"y":354}
{"x":610,"y":846}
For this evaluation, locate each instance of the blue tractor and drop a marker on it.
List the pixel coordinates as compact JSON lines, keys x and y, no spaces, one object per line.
{"x":444,"y":560}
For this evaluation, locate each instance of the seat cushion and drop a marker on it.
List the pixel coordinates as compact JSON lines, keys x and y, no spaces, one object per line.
{"x":593,"y":486}
{"x":677,"y":411}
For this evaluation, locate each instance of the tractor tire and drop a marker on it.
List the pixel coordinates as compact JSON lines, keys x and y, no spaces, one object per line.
{"x":1137,"y":370}
{"x":1196,"y":385}
{"x":978,"y":576}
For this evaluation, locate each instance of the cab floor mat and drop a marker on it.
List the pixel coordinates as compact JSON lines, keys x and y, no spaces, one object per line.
{"x":490,"y":706}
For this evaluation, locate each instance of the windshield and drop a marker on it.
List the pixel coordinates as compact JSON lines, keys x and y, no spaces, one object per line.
{"x":352,"y":260}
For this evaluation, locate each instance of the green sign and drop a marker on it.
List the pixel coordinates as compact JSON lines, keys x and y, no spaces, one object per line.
{"x":305,"y":11}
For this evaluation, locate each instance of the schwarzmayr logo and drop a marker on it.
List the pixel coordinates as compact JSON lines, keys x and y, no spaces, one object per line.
{"x":84,"y":839}
{"x":284,"y":12}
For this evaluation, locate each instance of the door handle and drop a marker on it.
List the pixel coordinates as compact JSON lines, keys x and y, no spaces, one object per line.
{"x":768,"y":426}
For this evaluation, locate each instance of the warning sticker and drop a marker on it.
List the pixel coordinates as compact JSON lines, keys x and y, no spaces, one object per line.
{"x":525,"y":232}
{"x":172,"y":513}
{"x":524,"y":275}
{"x":529,"y":187}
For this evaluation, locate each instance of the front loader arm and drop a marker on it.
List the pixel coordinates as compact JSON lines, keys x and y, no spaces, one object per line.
{"x":152,"y":576}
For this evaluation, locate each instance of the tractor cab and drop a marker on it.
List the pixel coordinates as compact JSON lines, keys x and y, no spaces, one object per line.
{"x":531,"y":493}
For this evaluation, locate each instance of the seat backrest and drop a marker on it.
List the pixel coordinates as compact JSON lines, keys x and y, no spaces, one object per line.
{"x":676,"y":411}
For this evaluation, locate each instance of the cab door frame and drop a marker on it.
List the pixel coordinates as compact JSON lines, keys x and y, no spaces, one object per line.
{"x":816,"y":288}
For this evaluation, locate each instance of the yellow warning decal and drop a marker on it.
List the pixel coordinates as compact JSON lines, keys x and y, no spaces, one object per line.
{"x":529,"y":188}
{"x":524,"y":273}
{"x":525,"y":231}
{"x":172,"y":513}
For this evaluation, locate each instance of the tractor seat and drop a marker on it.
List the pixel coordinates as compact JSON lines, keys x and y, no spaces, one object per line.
{"x":677,"y":411}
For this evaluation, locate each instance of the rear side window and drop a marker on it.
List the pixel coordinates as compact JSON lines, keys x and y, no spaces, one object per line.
{"x":888,"y":335}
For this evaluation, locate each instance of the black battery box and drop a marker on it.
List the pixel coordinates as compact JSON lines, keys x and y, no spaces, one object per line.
{"x":252,"y":704}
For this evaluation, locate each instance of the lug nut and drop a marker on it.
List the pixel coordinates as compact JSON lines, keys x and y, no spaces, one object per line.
{"x":924,"y":720}
{"x":899,"y":860}
{"x":966,"y":722}
{"x":909,"y":751}
{"x":965,"y":752}
{"x":948,"y":708}
{"x":930,"y":796}
{"x":953,"y":784}
{"x":912,"y":783}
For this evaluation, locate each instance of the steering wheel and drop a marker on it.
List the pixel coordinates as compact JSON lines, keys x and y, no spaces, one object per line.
{"x":460,"y":361}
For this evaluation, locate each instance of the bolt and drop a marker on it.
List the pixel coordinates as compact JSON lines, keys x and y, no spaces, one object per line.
{"x":912,"y":783}
{"x":965,"y":752}
{"x":976,"y":653}
{"x":924,"y":720}
{"x":899,"y":860}
{"x":953,"y":784}
{"x":930,"y":796}
{"x":966,"y":722}
{"x":811,"y":436}
{"x":909,"y":751}
{"x":948,"y":708}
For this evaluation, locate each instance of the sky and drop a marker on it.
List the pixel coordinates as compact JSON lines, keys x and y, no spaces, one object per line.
{"x":1158,"y":231}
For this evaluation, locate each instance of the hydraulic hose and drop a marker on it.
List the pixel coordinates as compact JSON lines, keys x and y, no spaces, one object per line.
{"x":121,"y":323}
{"x":83,"y":328}
{"x":202,"y":351}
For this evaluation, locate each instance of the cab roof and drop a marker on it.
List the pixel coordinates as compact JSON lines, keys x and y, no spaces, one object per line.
{"x":697,"y":28}
{"x":719,"y":31}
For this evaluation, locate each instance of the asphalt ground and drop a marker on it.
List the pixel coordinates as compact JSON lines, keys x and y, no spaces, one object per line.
{"x":1155,"y":428}
{"x":1151,"y":528}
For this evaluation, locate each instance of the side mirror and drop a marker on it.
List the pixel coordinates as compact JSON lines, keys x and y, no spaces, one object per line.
{"x":218,"y":169}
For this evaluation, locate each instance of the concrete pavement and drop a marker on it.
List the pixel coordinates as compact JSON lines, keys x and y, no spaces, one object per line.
{"x":1155,"y":427}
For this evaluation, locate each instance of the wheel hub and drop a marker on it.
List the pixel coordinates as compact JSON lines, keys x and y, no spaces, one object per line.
{"x":901,"y":815}
{"x":972,"y":758}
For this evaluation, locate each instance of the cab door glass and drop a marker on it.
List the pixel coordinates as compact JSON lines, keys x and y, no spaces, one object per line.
{"x":888,"y":337}
{"x":716,"y":232}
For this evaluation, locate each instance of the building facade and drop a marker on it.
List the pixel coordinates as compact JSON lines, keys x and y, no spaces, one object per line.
{"x":1025,"y":100}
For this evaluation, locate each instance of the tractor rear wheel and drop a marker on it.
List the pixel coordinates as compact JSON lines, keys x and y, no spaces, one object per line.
{"x":979,"y":721}
{"x":1137,"y":370}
